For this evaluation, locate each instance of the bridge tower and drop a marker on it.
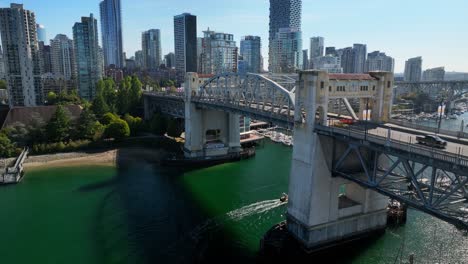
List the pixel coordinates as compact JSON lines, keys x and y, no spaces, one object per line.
{"x":323,"y":209}
{"x":208,"y":133}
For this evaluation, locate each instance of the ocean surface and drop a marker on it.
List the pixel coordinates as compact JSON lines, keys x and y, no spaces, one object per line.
{"x":142,"y":213}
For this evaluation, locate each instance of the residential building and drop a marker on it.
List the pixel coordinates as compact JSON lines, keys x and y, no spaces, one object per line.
{"x":413,"y":69}
{"x":283,"y":14}
{"x":305,"y":60}
{"x":56,"y":84}
{"x":317,"y":48}
{"x":2,"y":65}
{"x":41,"y":33}
{"x":63,"y":57}
{"x":329,"y":63}
{"x":250,"y":50}
{"x":219,"y":53}
{"x":242,"y":66}
{"x":111,"y":30}
{"x":21,"y":56}
{"x":169,"y":60}
{"x":199,"y":53}
{"x":347,"y":59}
{"x":287,"y":47}
{"x":435,"y":74}
{"x":151,"y":48}
{"x":114,"y":73}
{"x":87,"y":56}
{"x":379,"y":61}
{"x":330,"y":51}
{"x":45,"y":55}
{"x":359,"y":58}
{"x":185,"y":44}
{"x":139,"y":59}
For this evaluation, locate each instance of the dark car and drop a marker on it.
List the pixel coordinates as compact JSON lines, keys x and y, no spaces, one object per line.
{"x":433,"y":141}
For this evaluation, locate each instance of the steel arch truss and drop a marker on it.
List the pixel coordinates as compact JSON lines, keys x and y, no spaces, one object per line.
{"x":451,"y":90}
{"x":249,"y":93}
{"x":439,"y":192}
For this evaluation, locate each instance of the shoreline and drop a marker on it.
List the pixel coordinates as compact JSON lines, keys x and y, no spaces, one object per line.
{"x":112,"y":157}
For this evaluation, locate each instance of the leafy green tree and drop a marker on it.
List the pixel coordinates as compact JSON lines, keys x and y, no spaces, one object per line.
{"x":117,"y":130}
{"x":7,"y":148}
{"x":18,"y":132}
{"x":87,"y":126}
{"x":36,"y":129}
{"x":99,"y":106}
{"x":108,"y":118}
{"x":123,"y":96}
{"x":136,"y":124}
{"x":158,"y":124}
{"x":51,"y":98}
{"x":3,"y":85}
{"x":58,"y":128}
{"x":135,"y":94}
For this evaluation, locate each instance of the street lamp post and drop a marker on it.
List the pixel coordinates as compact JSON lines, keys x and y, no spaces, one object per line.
{"x":441,"y":114}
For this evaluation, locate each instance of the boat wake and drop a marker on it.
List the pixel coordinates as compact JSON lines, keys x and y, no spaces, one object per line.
{"x":253,"y":209}
{"x":214,"y":224}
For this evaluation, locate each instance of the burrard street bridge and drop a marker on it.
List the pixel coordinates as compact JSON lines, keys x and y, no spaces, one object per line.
{"x":341,"y":177}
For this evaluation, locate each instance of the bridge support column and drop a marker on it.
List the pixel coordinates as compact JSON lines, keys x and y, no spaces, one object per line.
{"x":324,"y":210}
{"x":208,"y":133}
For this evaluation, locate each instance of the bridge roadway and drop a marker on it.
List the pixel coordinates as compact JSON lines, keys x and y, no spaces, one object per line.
{"x":449,"y":203}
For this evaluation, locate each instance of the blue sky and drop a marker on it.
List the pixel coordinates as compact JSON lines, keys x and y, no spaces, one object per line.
{"x":433,"y":29}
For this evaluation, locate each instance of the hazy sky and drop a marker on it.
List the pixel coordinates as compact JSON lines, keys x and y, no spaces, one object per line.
{"x":433,"y":29}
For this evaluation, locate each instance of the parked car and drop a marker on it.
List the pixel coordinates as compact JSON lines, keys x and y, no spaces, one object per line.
{"x":432,"y":141}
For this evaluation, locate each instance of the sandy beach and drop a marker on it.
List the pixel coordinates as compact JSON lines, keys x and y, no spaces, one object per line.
{"x":107,"y":158}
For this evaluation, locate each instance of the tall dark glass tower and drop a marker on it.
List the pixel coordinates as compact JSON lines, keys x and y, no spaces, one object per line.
{"x":185,"y":44}
{"x":283,"y":14}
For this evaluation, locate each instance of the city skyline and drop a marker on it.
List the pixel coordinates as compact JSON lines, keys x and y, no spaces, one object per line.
{"x":414,"y":33}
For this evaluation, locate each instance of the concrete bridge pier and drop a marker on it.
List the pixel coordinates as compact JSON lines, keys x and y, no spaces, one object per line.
{"x":208,"y":133}
{"x":325,"y":210}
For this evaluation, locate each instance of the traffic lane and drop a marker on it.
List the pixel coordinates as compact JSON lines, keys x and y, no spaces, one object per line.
{"x":405,"y":137}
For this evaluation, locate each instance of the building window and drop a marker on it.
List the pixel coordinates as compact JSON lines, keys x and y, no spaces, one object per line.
{"x":322,"y":85}
{"x":330,"y":89}
{"x":364,"y":88}
{"x":373,"y":88}
{"x":389,"y":84}
{"x":341,"y":88}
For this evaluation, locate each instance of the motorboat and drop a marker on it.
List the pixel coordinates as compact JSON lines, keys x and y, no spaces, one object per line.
{"x":284,"y":198}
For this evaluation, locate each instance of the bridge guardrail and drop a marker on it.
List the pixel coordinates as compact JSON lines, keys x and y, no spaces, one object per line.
{"x":458,"y":134}
{"x":405,"y":146}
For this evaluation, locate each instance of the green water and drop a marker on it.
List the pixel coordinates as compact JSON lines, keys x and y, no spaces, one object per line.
{"x":141,"y":213}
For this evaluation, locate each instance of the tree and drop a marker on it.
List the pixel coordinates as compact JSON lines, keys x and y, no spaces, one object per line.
{"x":58,"y":128}
{"x":99,"y":106}
{"x":51,"y":98}
{"x":135,"y":94}
{"x":158,"y":124}
{"x":3,"y":85}
{"x":173,"y":129}
{"x":88,"y":127}
{"x":36,"y":129}
{"x":123,"y":96}
{"x":108,"y":118}
{"x":7,"y":148}
{"x":135,"y":123}
{"x":117,"y":130}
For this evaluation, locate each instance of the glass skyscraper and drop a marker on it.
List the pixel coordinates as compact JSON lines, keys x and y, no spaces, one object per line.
{"x":63,"y":57}
{"x":283,"y":14}
{"x":111,"y":30}
{"x":220,"y":53}
{"x":250,"y":50}
{"x":89,"y":65}
{"x":151,"y":47}
{"x":185,"y":43}
{"x":21,"y":56}
{"x":287,"y":50}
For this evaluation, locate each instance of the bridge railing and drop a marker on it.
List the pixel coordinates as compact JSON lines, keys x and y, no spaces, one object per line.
{"x":456,"y":159}
{"x":457,"y":134}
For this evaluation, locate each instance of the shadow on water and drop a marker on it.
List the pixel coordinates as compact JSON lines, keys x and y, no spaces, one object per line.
{"x":149,"y":217}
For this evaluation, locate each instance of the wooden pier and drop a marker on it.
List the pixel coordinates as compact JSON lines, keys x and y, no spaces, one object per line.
{"x":14,"y":174}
